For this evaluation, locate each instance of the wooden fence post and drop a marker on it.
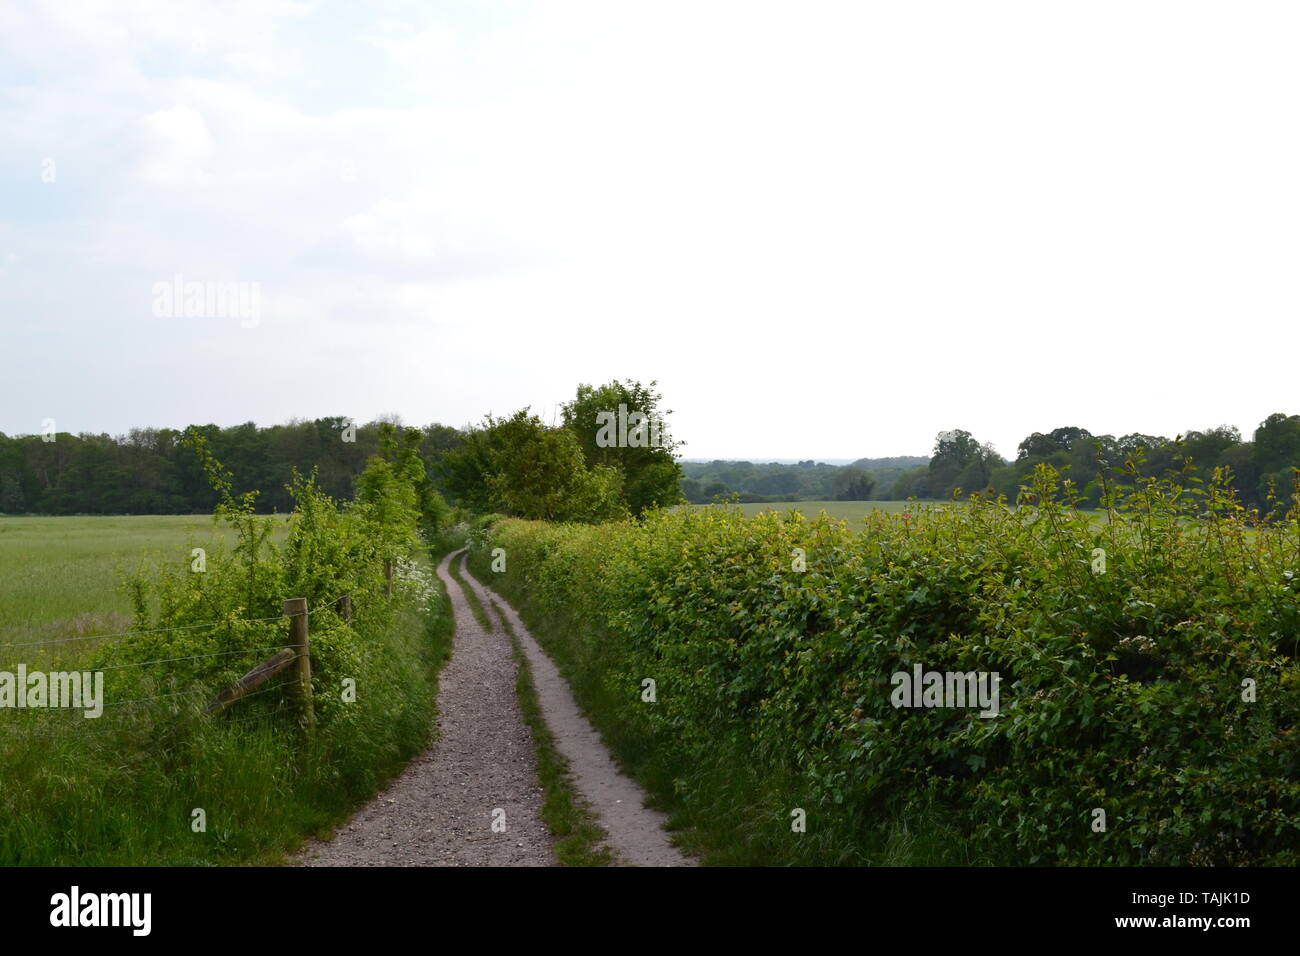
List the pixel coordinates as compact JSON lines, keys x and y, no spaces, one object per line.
{"x":295,"y":609}
{"x":388,"y":578}
{"x":255,"y":678}
{"x":345,"y":609}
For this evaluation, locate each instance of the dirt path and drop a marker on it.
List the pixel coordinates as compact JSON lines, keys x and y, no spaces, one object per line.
{"x":635,"y":832}
{"x":440,"y":811}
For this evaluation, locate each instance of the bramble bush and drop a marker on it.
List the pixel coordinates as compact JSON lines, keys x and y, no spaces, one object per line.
{"x":330,"y":549}
{"x":1122,"y":687}
{"x":120,"y":789}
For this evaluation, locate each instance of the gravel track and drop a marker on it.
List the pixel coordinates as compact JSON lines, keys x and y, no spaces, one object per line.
{"x":634,"y":832}
{"x":439,"y":812}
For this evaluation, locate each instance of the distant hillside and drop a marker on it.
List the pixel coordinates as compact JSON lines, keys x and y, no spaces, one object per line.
{"x":887,"y":471}
{"x":903,"y":462}
{"x":808,"y":480}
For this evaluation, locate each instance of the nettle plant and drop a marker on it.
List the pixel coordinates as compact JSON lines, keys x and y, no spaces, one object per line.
{"x":1147,"y":653}
{"x":328,"y":549}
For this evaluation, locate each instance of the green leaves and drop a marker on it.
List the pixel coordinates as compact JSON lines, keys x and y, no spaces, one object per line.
{"x":1121,"y":690}
{"x":520,"y":466}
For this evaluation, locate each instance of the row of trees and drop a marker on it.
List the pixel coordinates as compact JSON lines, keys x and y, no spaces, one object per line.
{"x":610,"y":455}
{"x":865,"y":479}
{"x":603,"y":460}
{"x":961,"y":464}
{"x":151,"y":471}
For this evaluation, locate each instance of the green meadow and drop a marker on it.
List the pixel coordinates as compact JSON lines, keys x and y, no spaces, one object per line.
{"x":854,"y":512}
{"x":851,"y":511}
{"x":62,"y":576}
{"x":121,"y":789}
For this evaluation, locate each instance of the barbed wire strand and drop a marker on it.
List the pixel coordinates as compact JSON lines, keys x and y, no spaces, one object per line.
{"x":53,"y":729}
{"x":171,"y":660}
{"x":155,"y":630}
{"x":143,"y":700}
{"x":328,"y":604}
{"x":196,"y":657}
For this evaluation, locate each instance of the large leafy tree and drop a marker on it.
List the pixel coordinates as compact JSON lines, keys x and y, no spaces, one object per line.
{"x":397,"y":476}
{"x":1209,"y":448}
{"x":852,"y":484}
{"x":621,"y":426}
{"x":1277,"y":442}
{"x":1277,"y":455}
{"x":960,"y":461}
{"x":520,"y":466}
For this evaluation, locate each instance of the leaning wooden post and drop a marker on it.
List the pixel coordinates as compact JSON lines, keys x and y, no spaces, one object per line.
{"x":255,"y":678}
{"x":295,"y":609}
{"x":345,"y":609}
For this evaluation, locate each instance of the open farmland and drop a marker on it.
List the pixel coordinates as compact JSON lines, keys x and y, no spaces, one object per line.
{"x":151,"y":741}
{"x":851,"y":511}
{"x":856,"y":512}
{"x":62,"y":576}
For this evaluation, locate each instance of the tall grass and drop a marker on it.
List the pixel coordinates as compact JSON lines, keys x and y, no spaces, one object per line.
{"x":121,"y":789}
{"x":63,"y":577}
{"x":154,"y":780}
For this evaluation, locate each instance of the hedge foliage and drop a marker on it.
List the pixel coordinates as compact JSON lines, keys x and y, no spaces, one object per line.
{"x":1122,"y":689}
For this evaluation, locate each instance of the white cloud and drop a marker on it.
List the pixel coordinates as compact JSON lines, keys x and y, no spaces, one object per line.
{"x":830,"y":230}
{"x":413,"y":47}
{"x":175,"y":148}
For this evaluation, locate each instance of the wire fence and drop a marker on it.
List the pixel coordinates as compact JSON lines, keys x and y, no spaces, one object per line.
{"x":182,"y":627}
{"x":300,"y":647}
{"x":46,"y":730}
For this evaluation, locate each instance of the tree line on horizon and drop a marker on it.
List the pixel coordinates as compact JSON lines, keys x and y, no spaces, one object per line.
{"x":961,"y":465}
{"x":1259,"y":468}
{"x":863,"y":480}
{"x":591,"y":466}
{"x":519,"y":465}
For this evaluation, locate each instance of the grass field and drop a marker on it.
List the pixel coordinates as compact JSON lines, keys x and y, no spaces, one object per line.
{"x":62,"y":577}
{"x":120,"y":789}
{"x":854,"y":511}
{"x":851,"y":511}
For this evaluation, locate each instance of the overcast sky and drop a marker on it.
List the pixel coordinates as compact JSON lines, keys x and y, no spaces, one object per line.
{"x":828,"y":230}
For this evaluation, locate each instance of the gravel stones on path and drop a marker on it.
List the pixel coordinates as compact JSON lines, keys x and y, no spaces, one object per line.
{"x":441,"y":810}
{"x":481,"y":769}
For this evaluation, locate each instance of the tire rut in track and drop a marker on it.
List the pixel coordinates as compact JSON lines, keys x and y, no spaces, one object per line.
{"x":440,"y":810}
{"x":635,"y":832}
